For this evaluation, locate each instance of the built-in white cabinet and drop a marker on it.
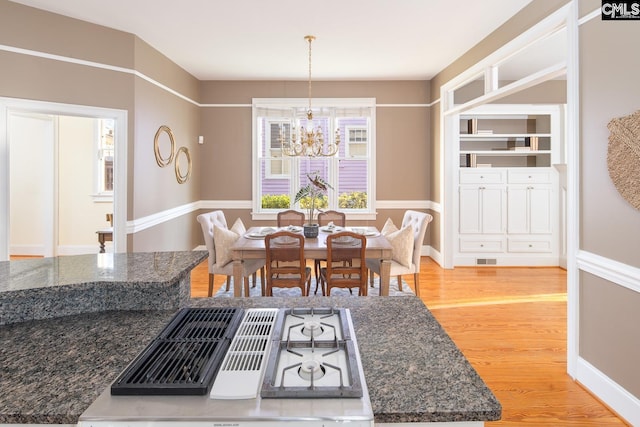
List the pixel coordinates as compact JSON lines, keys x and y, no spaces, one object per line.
{"x":482,"y":208}
{"x":507,"y":210}
{"x":482,"y":201}
{"x":529,"y":209}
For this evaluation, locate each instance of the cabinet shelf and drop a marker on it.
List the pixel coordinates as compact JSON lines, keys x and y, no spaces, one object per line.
{"x":505,"y":152}
{"x":501,"y":136}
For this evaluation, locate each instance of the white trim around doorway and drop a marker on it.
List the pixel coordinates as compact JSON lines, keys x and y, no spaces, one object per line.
{"x":11,"y":105}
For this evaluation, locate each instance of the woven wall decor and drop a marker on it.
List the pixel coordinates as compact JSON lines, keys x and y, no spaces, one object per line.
{"x":623,"y":156}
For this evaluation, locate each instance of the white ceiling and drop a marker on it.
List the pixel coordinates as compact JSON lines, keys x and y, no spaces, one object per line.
{"x":264,"y":39}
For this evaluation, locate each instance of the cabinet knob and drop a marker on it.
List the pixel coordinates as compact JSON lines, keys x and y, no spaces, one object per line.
{"x":530,"y":245}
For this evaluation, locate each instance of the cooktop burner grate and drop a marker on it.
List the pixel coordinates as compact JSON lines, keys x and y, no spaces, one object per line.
{"x":312,"y":356}
{"x":185,"y":357}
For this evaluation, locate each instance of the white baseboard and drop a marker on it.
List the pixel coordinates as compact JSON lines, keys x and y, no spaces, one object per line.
{"x":29,"y":250}
{"x":506,"y":261}
{"x":433,"y":254}
{"x":84,"y":249}
{"x":611,"y":393}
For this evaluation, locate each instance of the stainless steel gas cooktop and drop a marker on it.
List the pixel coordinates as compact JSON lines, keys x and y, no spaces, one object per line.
{"x":261,"y":367}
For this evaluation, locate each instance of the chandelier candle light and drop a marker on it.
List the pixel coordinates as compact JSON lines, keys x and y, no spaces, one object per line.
{"x":311,"y":142}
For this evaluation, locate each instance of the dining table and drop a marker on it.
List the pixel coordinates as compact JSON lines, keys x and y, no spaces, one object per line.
{"x":251,"y":246}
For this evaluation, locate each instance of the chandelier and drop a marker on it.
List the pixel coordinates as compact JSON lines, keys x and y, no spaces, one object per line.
{"x":311,"y":140}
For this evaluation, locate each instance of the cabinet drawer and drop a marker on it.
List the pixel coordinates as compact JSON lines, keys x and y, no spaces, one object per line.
{"x":481,"y":245}
{"x":484,"y":175}
{"x":529,"y":176}
{"x":523,"y":245}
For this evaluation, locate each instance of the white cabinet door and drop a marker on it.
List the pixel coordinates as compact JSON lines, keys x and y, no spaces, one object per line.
{"x":470,"y":209}
{"x":518,"y":209}
{"x":493,"y":209}
{"x":529,"y":209}
{"x":482,"y":209}
{"x":540,"y":209}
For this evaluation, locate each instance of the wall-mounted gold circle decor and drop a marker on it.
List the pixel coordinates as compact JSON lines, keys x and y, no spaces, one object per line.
{"x":180,"y":176}
{"x":623,"y":156}
{"x":164,"y":161}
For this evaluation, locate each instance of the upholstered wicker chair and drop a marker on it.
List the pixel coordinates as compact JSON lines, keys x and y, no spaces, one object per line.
{"x":249,"y":267}
{"x":346,"y":267}
{"x":286,"y":265}
{"x":419,"y":221}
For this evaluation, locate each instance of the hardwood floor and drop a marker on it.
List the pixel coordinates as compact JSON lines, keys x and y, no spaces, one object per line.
{"x":511,"y":325}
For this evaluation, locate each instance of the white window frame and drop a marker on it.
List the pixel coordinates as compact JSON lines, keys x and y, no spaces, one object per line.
{"x":101,"y":194}
{"x":281,"y":159}
{"x":348,"y":141}
{"x":258,"y":103}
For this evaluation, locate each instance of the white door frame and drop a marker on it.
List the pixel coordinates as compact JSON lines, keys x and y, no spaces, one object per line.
{"x":11,"y":105}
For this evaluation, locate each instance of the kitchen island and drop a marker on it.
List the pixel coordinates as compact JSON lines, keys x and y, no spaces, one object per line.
{"x":52,"y":370}
{"x":43,"y":288}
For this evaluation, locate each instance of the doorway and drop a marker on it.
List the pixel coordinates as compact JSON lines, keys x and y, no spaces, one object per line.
{"x":64,"y":178}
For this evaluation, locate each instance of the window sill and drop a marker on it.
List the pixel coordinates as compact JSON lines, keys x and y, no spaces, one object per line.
{"x":353,"y":216}
{"x":102,"y":198}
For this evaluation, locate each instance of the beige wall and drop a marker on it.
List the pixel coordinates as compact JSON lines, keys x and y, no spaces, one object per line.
{"x":609,"y":330}
{"x":227,"y":134}
{"x":150,"y":189}
{"x":402,"y":136}
{"x":227,"y":131}
{"x":610,"y":226}
{"x":549,"y":92}
{"x":609,"y":89}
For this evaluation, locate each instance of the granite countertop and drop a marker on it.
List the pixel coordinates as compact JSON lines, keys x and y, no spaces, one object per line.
{"x":52,"y":370}
{"x":51,"y":287}
{"x":133,"y":267}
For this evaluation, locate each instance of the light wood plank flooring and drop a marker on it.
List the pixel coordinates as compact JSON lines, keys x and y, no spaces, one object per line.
{"x":511,"y":325}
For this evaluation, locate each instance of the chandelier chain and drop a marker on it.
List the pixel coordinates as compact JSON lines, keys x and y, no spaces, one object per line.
{"x":308,"y":141}
{"x":309,"y":39}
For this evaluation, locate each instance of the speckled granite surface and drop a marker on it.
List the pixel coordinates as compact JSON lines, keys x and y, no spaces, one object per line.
{"x":51,"y":370}
{"x":420,"y":376}
{"x":51,"y":287}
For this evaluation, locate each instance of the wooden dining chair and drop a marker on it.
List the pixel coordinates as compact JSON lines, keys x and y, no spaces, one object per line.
{"x":286,"y":265}
{"x":290,"y":217}
{"x":346,"y":267}
{"x":338,"y":219}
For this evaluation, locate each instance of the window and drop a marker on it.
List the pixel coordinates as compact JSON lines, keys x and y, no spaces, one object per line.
{"x":356,"y":141}
{"x":351,"y":173}
{"x":104,"y":164}
{"x":277,"y":167}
